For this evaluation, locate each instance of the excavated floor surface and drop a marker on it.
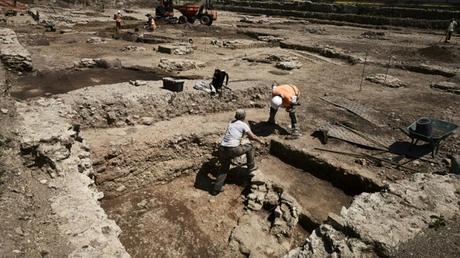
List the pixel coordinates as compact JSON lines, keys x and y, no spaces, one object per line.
{"x":57,"y":82}
{"x":316,"y":197}
{"x":174,"y":217}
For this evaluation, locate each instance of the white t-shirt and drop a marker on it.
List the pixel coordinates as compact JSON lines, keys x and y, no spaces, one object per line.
{"x":235,"y":131}
{"x":452,"y":26}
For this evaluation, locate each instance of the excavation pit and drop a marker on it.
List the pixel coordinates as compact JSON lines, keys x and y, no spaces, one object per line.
{"x":316,"y":197}
{"x":50,"y":83}
{"x":157,"y":190}
{"x":144,"y":146}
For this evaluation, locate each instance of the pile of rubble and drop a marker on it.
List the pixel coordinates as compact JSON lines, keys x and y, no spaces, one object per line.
{"x":281,"y":61}
{"x":270,"y":39}
{"x":13,"y":55}
{"x":386,"y":80}
{"x":239,"y":44}
{"x":398,"y":214}
{"x":289,"y":65}
{"x":329,"y":242}
{"x":267,"y":227}
{"x":316,"y":30}
{"x":324,"y":50}
{"x":447,"y":86}
{"x":286,"y":210}
{"x":133,"y":49}
{"x":176,"y":48}
{"x":98,"y":63}
{"x":179,"y":64}
{"x":261,"y":20}
{"x":97,"y":40}
{"x":373,"y":35}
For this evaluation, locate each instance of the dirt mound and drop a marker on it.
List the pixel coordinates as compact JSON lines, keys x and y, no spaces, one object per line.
{"x":439,"y":53}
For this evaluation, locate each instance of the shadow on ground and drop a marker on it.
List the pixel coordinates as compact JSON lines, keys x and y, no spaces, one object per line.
{"x":207,"y":174}
{"x":265,"y":129}
{"x":410,"y":150}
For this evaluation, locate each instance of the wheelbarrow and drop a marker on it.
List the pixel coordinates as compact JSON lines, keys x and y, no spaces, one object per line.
{"x":440,"y":131}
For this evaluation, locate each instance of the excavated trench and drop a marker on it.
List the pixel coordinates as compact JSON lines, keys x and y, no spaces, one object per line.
{"x":42,"y":84}
{"x":156,"y":170}
{"x":156,"y":181}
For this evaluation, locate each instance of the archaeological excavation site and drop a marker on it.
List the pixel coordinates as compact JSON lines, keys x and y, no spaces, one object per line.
{"x":229,"y":128}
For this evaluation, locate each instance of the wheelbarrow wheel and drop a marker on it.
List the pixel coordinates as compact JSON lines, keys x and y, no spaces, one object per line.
{"x":206,"y":20}
{"x":182,"y":19}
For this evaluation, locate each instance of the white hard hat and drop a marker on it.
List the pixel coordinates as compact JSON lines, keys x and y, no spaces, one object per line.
{"x":276,"y":102}
{"x":119,"y":11}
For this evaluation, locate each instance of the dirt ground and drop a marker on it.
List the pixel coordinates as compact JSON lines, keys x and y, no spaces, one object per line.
{"x":186,"y":223}
{"x":173,"y":218}
{"x":316,"y":196}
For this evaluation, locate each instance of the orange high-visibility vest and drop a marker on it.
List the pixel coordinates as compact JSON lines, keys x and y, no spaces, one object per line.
{"x":286,"y":92}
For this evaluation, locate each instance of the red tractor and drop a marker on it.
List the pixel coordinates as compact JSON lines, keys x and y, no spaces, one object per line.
{"x":190,"y":12}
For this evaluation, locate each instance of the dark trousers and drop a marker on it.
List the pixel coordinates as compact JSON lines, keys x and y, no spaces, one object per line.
{"x":291,"y":115}
{"x":226,"y":154}
{"x":448,"y":36}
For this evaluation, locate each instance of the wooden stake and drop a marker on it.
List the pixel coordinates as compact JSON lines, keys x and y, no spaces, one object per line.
{"x":362,"y":75}
{"x":388,"y":68}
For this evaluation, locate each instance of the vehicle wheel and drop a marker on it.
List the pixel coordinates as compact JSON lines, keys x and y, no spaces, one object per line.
{"x":206,"y":20}
{"x":182,"y":19}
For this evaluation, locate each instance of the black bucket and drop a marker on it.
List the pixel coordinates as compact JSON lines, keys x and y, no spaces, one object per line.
{"x":424,"y":127}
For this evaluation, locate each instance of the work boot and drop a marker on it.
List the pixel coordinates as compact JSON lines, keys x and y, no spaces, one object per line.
{"x":295,"y":132}
{"x":254,"y":168}
{"x":252,"y":171}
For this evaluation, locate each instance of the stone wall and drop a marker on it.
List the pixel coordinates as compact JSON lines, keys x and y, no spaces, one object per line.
{"x":358,"y":13}
{"x":379,"y":223}
{"x":124,"y":104}
{"x":49,"y":141}
{"x":13,"y":55}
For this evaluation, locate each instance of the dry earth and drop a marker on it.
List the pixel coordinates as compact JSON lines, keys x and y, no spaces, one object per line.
{"x":76,"y":129}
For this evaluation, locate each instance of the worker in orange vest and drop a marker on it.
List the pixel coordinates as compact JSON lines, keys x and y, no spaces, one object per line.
{"x":286,"y":96}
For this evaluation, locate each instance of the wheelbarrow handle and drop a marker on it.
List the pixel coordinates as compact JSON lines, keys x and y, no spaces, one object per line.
{"x":405,"y":131}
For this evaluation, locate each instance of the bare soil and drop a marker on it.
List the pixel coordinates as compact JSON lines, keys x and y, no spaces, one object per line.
{"x":174,"y":217}
{"x":57,"y":82}
{"x":439,"y":241}
{"x":316,"y":197}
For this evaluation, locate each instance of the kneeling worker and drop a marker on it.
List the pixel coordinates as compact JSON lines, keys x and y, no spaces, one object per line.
{"x":231,"y":147}
{"x":286,"y":96}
